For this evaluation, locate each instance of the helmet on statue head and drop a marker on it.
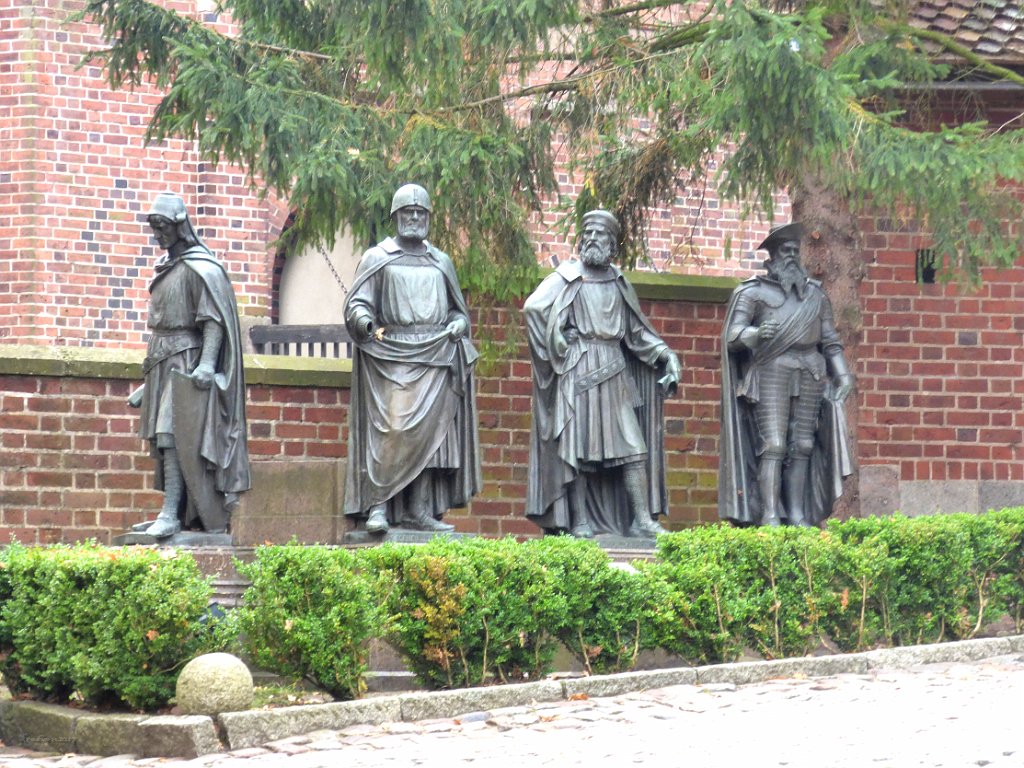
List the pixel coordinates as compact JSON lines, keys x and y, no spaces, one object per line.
{"x":410,"y":194}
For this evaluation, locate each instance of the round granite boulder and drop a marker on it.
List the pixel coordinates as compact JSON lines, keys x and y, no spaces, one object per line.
{"x":214,"y":683}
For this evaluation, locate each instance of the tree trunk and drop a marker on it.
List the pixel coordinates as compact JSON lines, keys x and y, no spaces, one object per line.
{"x":832,"y":253}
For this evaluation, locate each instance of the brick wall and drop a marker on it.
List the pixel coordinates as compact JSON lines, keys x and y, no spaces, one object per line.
{"x":73,"y":467}
{"x":76,"y":180}
{"x":939,"y":376}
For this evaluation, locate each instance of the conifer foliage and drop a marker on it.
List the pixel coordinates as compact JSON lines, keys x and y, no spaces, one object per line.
{"x":333,"y":103}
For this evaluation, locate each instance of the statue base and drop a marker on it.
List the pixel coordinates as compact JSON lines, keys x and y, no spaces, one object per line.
{"x":616,"y":542}
{"x":180,"y":539}
{"x":398,"y":536}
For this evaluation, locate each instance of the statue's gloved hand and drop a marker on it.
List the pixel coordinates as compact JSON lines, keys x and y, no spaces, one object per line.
{"x":457,"y":328}
{"x":843,"y":387}
{"x":669,"y":382}
{"x":203,"y":375}
{"x":559,"y":346}
{"x":364,"y":327}
{"x":766,"y":331}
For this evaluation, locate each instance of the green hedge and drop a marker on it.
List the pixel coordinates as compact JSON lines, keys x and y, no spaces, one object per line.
{"x":111,"y":626}
{"x":479,"y":612}
{"x":114,"y":626}
{"x":309,"y":613}
{"x":858,"y":584}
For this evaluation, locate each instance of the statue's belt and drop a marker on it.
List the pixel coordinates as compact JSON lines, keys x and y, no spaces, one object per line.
{"x":170,"y":343}
{"x":599,"y":375}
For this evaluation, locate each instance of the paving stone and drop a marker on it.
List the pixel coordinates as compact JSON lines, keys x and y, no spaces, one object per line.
{"x":112,"y":761}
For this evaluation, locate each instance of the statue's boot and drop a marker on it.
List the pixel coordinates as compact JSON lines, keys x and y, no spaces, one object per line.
{"x":422,"y":518}
{"x":167,"y":522}
{"x":634,"y":478}
{"x":769,"y":480}
{"x":796,"y":487}
{"x":577,"y":501}
{"x":377,"y":519}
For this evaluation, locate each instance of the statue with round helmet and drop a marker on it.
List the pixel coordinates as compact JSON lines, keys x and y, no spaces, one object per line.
{"x":193,"y":400}
{"x":413,"y":451}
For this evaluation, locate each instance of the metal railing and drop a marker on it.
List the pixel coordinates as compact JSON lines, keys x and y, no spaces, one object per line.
{"x":301,"y":340}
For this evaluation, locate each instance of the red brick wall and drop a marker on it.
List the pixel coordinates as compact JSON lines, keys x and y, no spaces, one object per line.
{"x":76,"y":180}
{"x":939,"y":376}
{"x":72,"y":466}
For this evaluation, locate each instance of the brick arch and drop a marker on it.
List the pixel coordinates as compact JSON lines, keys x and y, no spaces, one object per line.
{"x":277,"y":270}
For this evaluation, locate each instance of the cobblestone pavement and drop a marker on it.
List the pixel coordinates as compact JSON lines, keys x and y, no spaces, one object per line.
{"x":949,"y":715}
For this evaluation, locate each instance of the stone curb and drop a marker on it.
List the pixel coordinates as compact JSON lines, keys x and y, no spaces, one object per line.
{"x":51,"y":728}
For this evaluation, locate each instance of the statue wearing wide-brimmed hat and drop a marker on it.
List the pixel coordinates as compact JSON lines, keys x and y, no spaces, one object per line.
{"x":783,"y":450}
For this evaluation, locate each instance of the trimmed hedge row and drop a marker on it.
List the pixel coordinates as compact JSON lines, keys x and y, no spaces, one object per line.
{"x":113,"y":627}
{"x":478,"y":612}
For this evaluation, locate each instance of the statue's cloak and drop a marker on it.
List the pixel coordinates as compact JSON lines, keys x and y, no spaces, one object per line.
{"x":553,"y":463}
{"x":739,"y":499}
{"x":223,"y":441}
{"x":407,"y":397}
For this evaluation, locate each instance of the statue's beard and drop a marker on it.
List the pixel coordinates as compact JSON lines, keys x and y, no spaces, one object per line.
{"x":595,"y":255}
{"x":791,"y":275}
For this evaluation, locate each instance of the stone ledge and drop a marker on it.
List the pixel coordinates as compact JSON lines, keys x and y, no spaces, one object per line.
{"x":53,"y":728}
{"x":126,"y":364}
{"x":670,"y":286}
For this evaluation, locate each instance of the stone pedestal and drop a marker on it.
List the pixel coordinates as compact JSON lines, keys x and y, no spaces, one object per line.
{"x":292,"y":499}
{"x":182,"y":539}
{"x":361,"y":538}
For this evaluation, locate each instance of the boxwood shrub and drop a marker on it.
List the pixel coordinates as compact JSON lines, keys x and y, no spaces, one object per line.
{"x":309,"y":614}
{"x":112,"y":626}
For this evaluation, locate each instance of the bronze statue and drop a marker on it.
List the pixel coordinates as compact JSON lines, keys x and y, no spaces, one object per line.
{"x":413,"y":451}
{"x":600,"y":373}
{"x":783,"y":445}
{"x":193,"y":399}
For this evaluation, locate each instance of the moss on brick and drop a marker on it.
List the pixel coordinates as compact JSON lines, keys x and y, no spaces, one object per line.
{"x":119,"y":364}
{"x":665,"y":286}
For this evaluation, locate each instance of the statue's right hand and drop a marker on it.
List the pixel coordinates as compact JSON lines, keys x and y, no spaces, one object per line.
{"x":135,"y":398}
{"x":559,"y":345}
{"x":767,"y":330}
{"x":364,"y":327}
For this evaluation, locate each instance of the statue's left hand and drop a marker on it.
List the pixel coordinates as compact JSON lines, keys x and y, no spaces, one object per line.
{"x":843,"y":387}
{"x":673,"y":372}
{"x":202,"y":376}
{"x":457,"y":328}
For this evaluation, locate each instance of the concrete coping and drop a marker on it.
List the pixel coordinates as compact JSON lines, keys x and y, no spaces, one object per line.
{"x":126,"y":364}
{"x":52,"y":728}
{"x":288,"y":370}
